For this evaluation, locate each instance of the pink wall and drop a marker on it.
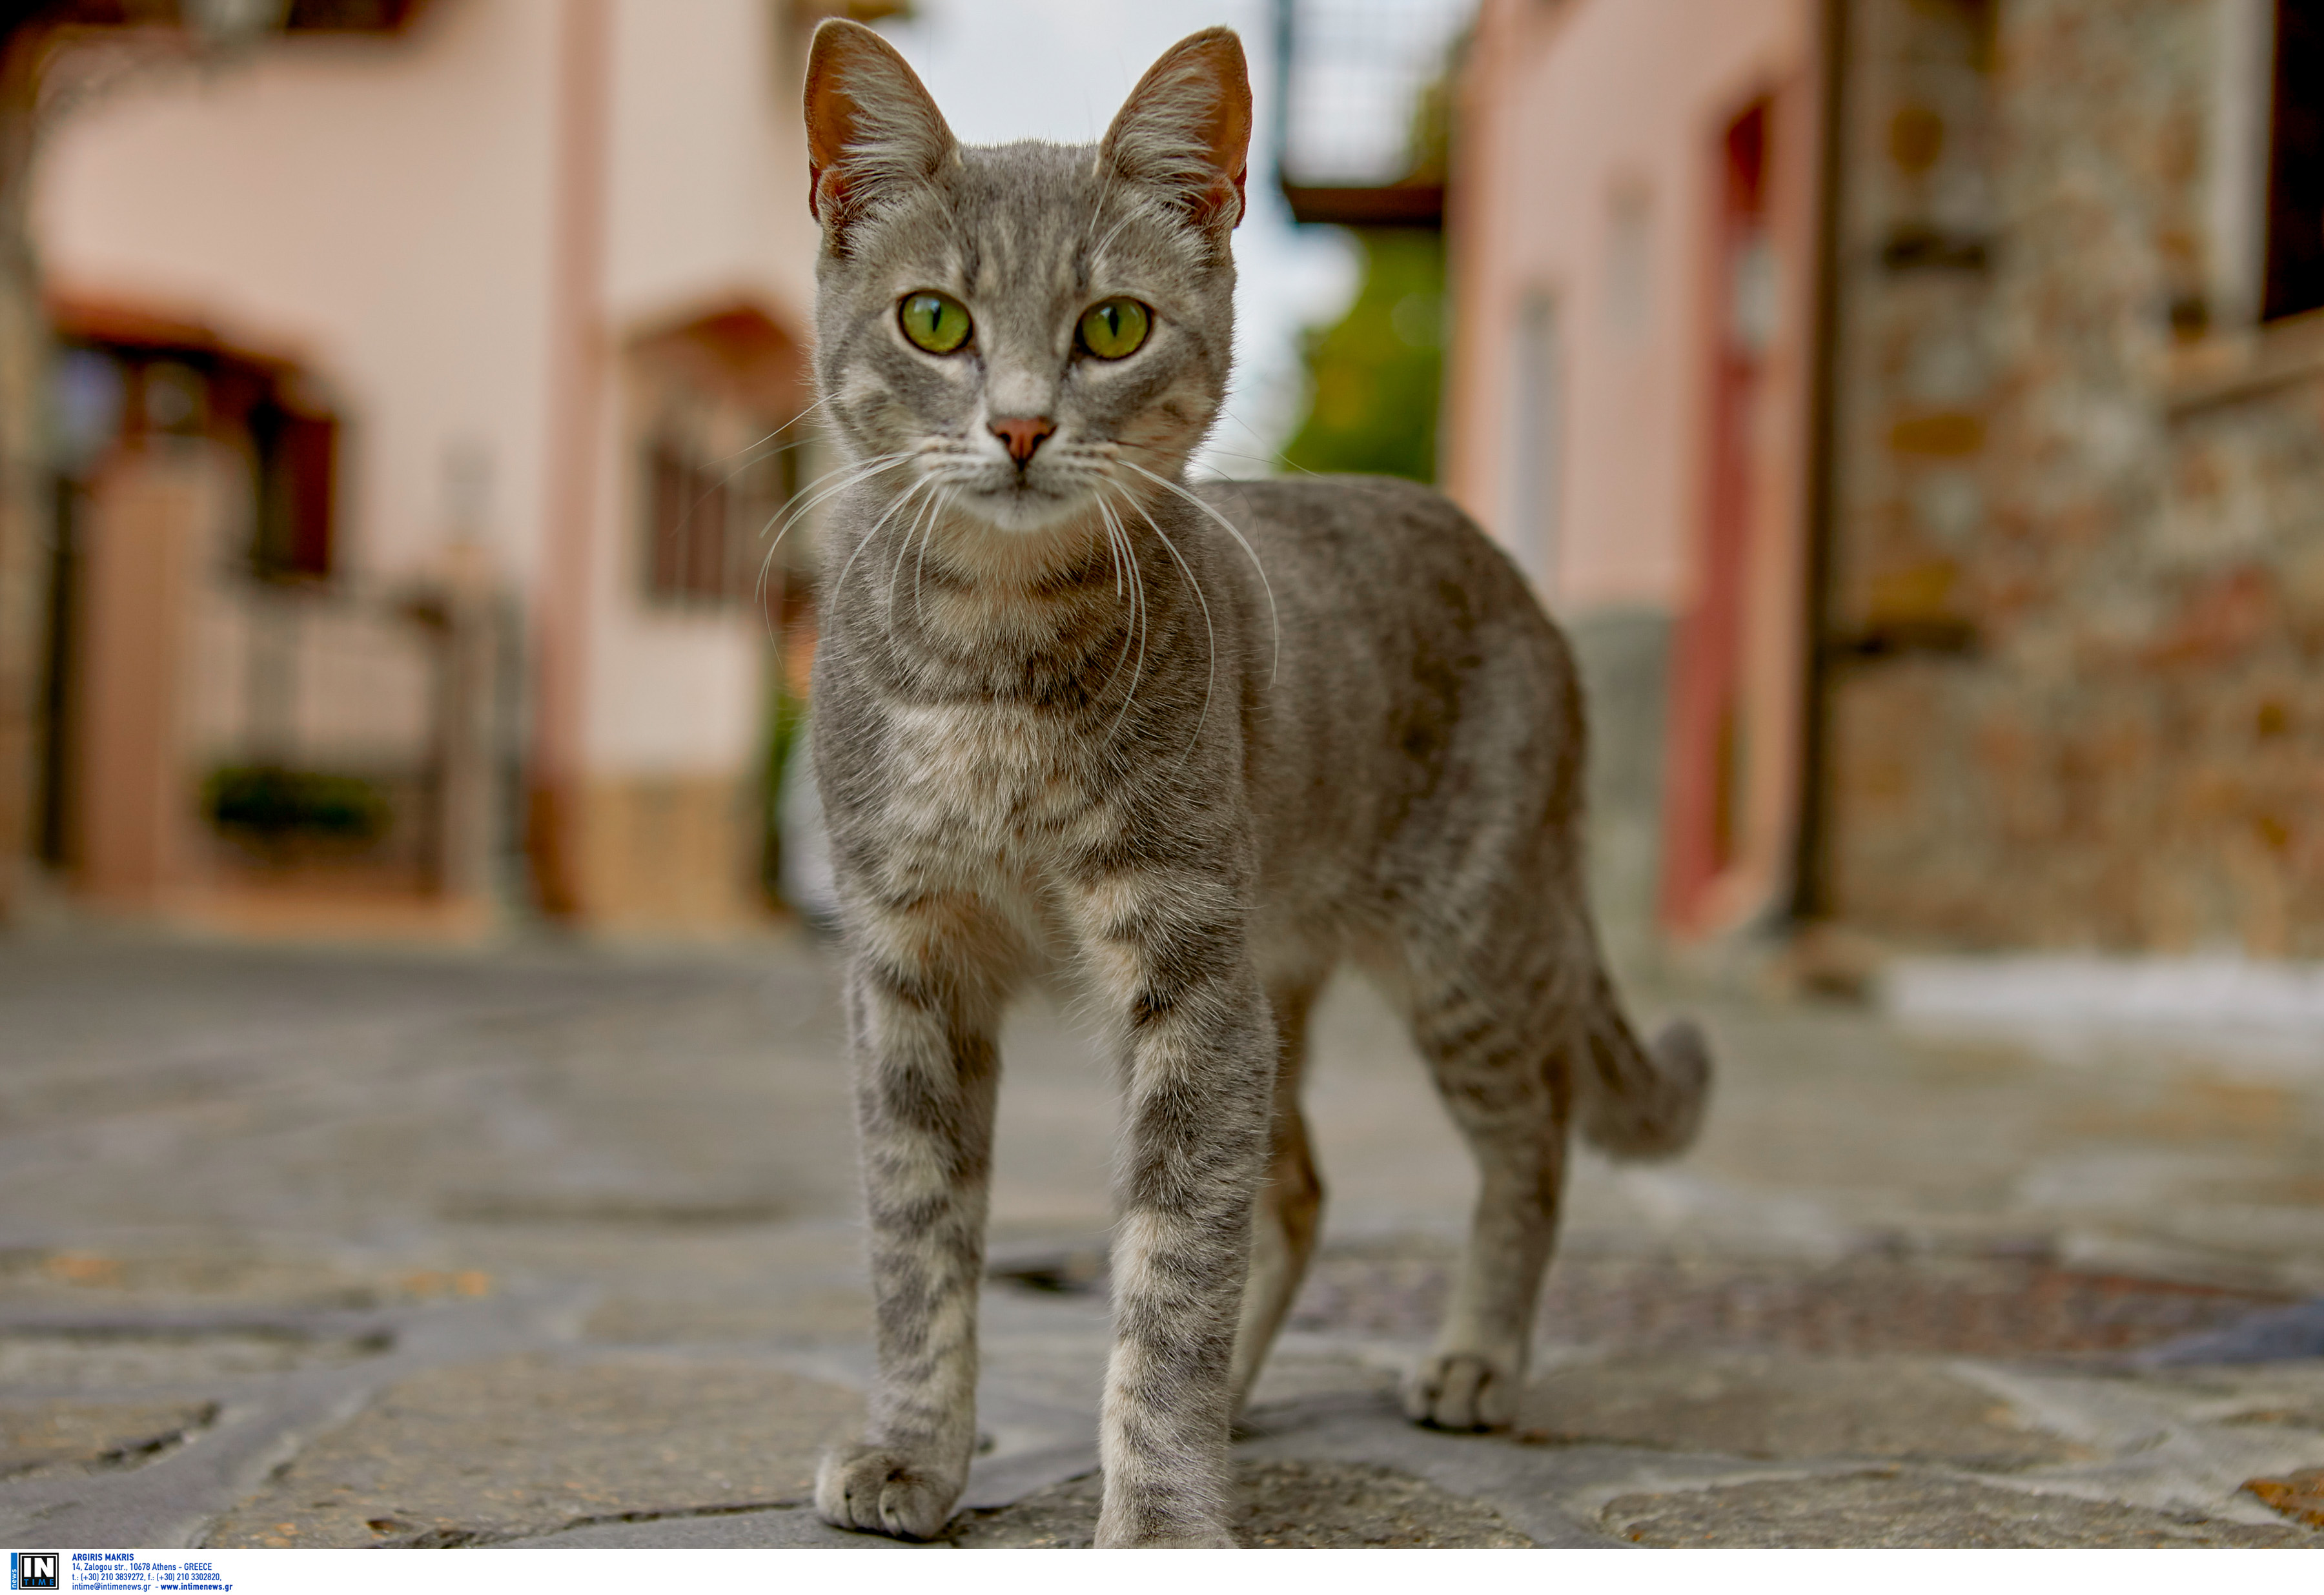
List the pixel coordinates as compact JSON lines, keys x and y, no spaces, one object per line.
{"x":384,"y":212}
{"x":462,"y":233}
{"x":1596,"y":295}
{"x":705,"y":196}
{"x":378,"y":208}
{"x":1586,"y":178}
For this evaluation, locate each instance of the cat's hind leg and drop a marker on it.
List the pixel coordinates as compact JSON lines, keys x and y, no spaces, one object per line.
{"x":1290,"y":1209}
{"x":926,"y":1078}
{"x":1507,"y":1091}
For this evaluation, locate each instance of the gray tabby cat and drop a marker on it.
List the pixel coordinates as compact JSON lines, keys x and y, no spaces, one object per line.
{"x":1063,"y":724}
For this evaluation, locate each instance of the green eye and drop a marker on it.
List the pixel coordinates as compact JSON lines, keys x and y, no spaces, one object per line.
{"x":1114,"y":328}
{"x":937,"y":322}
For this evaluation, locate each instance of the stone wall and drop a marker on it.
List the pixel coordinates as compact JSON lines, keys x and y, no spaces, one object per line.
{"x":2078,"y":570}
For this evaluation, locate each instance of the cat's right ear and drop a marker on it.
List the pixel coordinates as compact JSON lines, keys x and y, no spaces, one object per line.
{"x":871,"y":125}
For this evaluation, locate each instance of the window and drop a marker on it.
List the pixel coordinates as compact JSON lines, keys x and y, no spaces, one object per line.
{"x":713,"y":473}
{"x":686,"y":521}
{"x":2295,"y":282}
{"x":297,"y":460}
{"x":111,"y":391}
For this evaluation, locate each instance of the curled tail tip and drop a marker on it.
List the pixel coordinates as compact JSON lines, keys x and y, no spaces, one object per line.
{"x":1647,"y":1104}
{"x":1683,"y":1054}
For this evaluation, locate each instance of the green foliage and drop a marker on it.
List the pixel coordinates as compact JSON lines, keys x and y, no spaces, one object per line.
{"x":1378,"y":372}
{"x":786,"y":725}
{"x":269,"y":804}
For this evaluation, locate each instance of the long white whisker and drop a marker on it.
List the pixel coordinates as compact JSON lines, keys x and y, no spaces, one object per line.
{"x":865,"y":474}
{"x":1272,"y":461}
{"x":778,"y":431}
{"x":873,"y":535}
{"x":1117,"y":541}
{"x":814,"y":490}
{"x":1142,"y":617}
{"x":1211,"y":686}
{"x":802,"y":502}
{"x":1114,"y":546}
{"x":758,"y":586}
{"x":1141,"y":614}
{"x":757,"y":452}
{"x":1276,"y":459}
{"x":856,"y":473}
{"x":756,"y":458}
{"x":895,"y":573}
{"x":685,"y":519}
{"x":1274,"y":624}
{"x":921,"y":566}
{"x":844,"y":468}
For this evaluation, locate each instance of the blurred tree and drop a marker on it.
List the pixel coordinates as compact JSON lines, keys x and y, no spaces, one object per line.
{"x":1376,"y":375}
{"x":1376,"y":372}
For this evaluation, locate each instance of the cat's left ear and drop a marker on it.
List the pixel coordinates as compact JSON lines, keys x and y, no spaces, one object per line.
{"x":871,"y":125}
{"x":1185,"y":128}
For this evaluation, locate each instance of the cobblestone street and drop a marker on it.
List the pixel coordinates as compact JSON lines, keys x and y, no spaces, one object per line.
{"x":554,"y":1245}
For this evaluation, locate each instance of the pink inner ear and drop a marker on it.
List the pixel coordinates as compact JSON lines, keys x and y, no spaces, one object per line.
{"x":827,"y":193}
{"x":1214,"y":201}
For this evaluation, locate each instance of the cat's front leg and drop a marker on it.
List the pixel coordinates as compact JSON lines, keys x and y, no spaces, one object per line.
{"x":1171,"y":958}
{"x":926,"y":1072}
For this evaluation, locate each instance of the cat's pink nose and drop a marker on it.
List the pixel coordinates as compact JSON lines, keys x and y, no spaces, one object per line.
{"x":1022,"y":434}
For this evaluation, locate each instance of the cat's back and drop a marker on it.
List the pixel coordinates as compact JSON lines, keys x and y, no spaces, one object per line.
{"x":1413,"y":683}
{"x":1387,"y":560}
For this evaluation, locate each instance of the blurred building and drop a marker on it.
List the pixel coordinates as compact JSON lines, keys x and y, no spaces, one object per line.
{"x":423,"y":393}
{"x":1916,"y":406}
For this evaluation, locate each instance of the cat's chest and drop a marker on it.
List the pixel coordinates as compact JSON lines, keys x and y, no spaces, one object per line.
{"x":991,"y":779}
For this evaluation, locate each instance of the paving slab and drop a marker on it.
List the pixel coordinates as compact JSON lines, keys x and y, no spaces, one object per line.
{"x":263,"y":1415}
{"x":781,"y":1528}
{"x":1903,"y":1510}
{"x":79,"y":1354}
{"x":49,"y":1435}
{"x":812,"y":1314}
{"x":1286,"y":1504}
{"x":527,"y":1444}
{"x":1786,"y":1407}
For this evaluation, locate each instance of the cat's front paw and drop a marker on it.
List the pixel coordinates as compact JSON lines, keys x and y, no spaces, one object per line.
{"x":1463,"y":1390}
{"x":877,"y":1490}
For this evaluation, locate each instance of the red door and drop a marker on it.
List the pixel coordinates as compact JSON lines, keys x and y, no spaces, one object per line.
{"x":1710,"y":732}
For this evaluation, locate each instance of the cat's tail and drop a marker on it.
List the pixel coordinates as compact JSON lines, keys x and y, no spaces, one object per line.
{"x":1640,"y":1102}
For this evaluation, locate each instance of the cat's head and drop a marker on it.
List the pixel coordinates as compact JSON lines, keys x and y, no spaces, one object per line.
{"x":1027,"y":325}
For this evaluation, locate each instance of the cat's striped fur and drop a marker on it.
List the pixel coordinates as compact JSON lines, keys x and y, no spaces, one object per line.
{"x":1063,"y":724}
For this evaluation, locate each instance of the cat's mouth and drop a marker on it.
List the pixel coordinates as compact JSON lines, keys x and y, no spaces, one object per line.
{"x":1024,"y":501}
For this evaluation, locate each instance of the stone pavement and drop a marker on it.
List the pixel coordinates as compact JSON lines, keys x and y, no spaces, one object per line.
{"x":554,"y":1245}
